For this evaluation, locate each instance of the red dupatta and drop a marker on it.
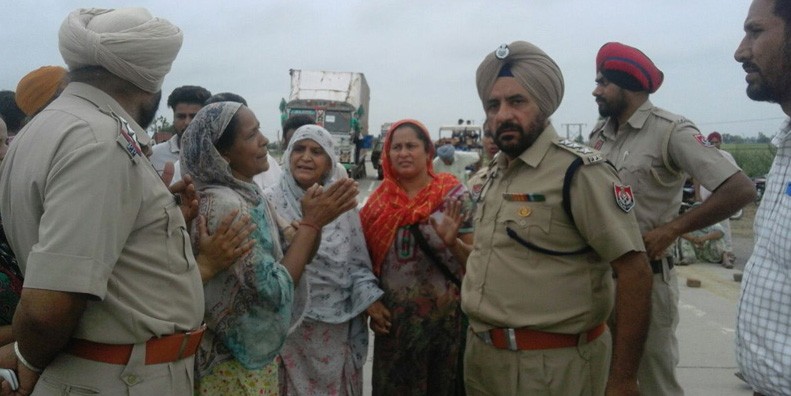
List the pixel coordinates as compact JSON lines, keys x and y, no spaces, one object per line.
{"x":389,"y":207}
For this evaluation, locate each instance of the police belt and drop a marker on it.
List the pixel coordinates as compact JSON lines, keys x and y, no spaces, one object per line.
{"x":656,"y":265}
{"x":523,"y":339}
{"x":170,"y":348}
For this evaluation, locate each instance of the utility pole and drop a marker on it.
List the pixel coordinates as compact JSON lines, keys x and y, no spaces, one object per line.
{"x":578,"y":125}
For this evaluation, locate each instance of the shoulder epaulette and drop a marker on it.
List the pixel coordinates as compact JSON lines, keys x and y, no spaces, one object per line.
{"x":589,"y":155}
{"x":668,"y":116}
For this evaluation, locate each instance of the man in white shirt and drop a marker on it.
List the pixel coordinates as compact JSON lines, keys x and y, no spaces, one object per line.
{"x":763,"y":318}
{"x":454,"y":162}
{"x":185,"y":101}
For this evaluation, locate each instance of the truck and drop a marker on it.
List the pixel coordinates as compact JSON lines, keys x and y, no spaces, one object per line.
{"x":337,"y":101}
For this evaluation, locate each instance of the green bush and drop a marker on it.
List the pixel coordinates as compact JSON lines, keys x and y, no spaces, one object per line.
{"x":755,"y":159}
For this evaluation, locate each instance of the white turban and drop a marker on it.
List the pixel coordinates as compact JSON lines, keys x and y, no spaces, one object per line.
{"x":129,"y":42}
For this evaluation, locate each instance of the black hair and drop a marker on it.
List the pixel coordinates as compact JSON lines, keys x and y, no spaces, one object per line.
{"x":295,"y":121}
{"x":783,"y":10}
{"x":420,"y":135}
{"x":13,"y":116}
{"x":226,"y":97}
{"x":190,"y":94}
{"x":229,"y":134}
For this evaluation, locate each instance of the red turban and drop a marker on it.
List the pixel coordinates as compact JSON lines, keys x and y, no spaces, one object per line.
{"x":628,"y":68}
{"x":714,"y":135}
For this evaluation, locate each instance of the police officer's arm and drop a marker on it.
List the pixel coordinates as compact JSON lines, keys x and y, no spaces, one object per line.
{"x":730,"y":196}
{"x":319,"y":208}
{"x":611,"y":229}
{"x":731,"y":188}
{"x":632,"y":316}
{"x":43,"y":324}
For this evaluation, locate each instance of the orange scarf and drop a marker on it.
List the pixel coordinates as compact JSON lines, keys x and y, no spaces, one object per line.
{"x":389,"y":207}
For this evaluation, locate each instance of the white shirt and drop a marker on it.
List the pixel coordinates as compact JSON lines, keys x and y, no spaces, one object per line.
{"x":163,"y":152}
{"x":763,"y":318}
{"x":461,"y":160}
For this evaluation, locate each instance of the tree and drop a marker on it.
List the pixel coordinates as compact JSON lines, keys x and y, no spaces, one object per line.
{"x":160,"y":124}
{"x":763,"y":138}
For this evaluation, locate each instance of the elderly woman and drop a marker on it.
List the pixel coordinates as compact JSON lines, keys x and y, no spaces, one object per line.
{"x":419,"y":264}
{"x":325,"y":354}
{"x":249,"y":306}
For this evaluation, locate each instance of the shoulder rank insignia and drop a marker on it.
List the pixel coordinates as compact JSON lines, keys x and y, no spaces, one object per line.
{"x":702,"y":140}
{"x":588,"y":155}
{"x":623,"y":197}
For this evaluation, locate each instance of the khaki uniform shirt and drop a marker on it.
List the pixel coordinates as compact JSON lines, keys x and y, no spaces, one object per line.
{"x":88,"y":214}
{"x":636,"y":149}
{"x":509,"y":285}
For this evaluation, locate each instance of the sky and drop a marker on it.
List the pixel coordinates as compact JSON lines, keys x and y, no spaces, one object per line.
{"x":420,"y":57}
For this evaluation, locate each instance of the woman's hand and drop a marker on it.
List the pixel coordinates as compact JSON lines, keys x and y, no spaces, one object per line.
{"x":188,"y":196}
{"x":380,"y":318}
{"x":321,"y":206}
{"x":452,"y":217}
{"x":230,"y":241}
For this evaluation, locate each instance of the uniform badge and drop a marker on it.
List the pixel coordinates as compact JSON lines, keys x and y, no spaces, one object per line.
{"x":623,"y":197}
{"x":702,"y":140}
{"x":599,"y":144}
{"x":522,"y":197}
{"x":524,"y":211}
{"x":502,"y":52}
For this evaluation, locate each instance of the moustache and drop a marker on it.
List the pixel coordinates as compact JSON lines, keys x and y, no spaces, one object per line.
{"x":509,"y":126}
{"x":750,"y":67}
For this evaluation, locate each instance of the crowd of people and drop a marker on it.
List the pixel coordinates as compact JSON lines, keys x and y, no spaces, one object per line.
{"x":202,"y":265}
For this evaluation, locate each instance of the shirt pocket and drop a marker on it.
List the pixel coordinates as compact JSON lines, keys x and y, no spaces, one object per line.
{"x":530,"y":222}
{"x":179,"y":251}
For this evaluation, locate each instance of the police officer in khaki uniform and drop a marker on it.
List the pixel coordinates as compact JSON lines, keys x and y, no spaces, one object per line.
{"x":653,"y":151}
{"x":112,"y":301}
{"x":539,"y":282}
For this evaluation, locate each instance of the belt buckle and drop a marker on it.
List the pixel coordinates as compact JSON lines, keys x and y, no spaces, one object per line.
{"x":510,"y":336}
{"x":185,"y":340}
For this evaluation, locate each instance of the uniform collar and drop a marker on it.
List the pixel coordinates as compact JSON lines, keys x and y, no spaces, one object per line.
{"x":636,"y":121}
{"x":105,"y":103}
{"x":535,"y":153}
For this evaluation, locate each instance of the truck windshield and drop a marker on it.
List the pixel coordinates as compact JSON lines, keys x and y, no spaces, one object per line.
{"x":338,"y":121}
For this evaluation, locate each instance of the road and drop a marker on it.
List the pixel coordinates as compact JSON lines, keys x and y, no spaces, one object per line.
{"x":708,"y":316}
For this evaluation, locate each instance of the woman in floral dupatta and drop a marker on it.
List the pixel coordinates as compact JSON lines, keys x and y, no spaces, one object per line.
{"x":419,"y":353}
{"x":250,"y":306}
{"x":325,"y":354}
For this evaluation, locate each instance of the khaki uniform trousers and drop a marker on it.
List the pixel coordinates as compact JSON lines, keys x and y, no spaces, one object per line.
{"x":657,"y":372}
{"x":580,"y":370}
{"x":71,"y":375}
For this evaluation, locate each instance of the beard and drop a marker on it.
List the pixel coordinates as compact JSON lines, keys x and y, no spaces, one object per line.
{"x":773,"y":85}
{"x":516,"y":146}
{"x":611,"y":107}
{"x":148,"y":110}
{"x":764,"y":89}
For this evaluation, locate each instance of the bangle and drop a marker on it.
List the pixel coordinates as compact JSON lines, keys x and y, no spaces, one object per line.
{"x":24,"y":361}
{"x":311,"y":225}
